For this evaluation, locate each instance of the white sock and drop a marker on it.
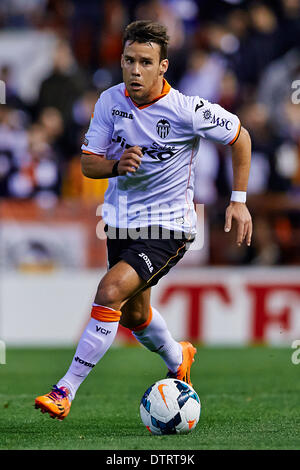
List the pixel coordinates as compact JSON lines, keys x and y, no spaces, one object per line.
{"x":97,"y":337}
{"x":157,"y":338}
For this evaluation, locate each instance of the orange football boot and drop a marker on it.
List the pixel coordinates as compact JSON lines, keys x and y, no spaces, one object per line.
{"x":56,"y":403}
{"x":184,"y":370}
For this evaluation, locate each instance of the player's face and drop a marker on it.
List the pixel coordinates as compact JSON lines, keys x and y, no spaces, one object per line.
{"x":143,"y":71}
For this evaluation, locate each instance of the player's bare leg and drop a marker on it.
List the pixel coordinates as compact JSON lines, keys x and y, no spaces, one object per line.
{"x":151,"y":330}
{"x":119,"y":293}
{"x":136,"y":311}
{"x":119,"y":284}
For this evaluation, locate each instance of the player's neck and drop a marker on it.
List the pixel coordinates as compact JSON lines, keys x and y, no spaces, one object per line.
{"x":161,"y":90}
{"x":156,"y":92}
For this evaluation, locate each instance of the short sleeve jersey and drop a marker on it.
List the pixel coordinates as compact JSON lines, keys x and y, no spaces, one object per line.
{"x":169,"y":131}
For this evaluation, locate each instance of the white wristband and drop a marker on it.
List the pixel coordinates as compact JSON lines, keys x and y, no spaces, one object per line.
{"x":238,"y":196}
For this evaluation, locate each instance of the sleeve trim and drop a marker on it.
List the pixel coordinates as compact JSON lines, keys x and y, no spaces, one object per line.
{"x":237,"y":135}
{"x":86,"y":152}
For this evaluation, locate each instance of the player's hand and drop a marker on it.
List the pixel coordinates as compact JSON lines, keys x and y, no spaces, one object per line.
{"x":239,"y":212}
{"x":130,"y":160}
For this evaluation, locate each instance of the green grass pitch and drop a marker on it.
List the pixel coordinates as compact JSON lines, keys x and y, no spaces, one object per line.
{"x":250,"y":400}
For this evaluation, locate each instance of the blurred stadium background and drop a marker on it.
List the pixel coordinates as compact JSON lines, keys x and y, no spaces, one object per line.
{"x":56,"y":57}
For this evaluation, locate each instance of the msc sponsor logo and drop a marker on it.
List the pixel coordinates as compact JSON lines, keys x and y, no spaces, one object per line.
{"x":222,"y":122}
{"x":84,"y":363}
{"x":147,"y":261}
{"x":102,"y":330}
{"x":123,"y":114}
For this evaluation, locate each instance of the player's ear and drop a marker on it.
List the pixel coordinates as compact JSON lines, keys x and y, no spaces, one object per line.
{"x":163,"y":67}
{"x":122,"y":61}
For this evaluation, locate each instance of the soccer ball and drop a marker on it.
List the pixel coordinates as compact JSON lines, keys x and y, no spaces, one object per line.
{"x":170,"y":406}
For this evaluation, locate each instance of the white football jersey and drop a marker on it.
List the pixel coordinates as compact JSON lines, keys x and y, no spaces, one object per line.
{"x":169,"y":131}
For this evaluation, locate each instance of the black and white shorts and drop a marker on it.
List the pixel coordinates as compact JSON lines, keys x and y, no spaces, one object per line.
{"x":151,"y":253}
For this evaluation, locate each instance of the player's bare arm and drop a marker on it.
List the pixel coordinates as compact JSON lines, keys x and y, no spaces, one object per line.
{"x":98,"y":167}
{"x":241,"y":159}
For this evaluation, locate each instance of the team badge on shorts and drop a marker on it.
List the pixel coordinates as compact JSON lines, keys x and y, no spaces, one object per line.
{"x":163,"y":128}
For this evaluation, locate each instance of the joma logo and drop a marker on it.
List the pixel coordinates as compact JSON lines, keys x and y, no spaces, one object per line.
{"x":147,"y":261}
{"x":81,"y":361}
{"x":124,"y":114}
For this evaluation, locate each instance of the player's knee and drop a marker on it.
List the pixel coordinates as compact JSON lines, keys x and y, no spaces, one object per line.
{"x":135,"y":319}
{"x":140,"y":317}
{"x":109,"y":296}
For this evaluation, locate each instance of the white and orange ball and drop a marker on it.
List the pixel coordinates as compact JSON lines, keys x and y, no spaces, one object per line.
{"x":170,"y":406}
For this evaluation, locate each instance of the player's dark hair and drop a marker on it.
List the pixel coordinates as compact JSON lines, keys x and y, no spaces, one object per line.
{"x":148,"y":31}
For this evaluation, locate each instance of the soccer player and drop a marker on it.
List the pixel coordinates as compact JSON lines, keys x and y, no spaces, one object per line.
{"x":144,"y":136}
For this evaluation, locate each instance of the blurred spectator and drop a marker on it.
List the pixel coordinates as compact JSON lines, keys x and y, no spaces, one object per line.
{"x":57,"y":16}
{"x":187,"y":11}
{"x":110,"y":39}
{"x":275,"y":87}
{"x":60,"y":90}
{"x":229,"y":92}
{"x":18,"y":14}
{"x":163,"y":12}
{"x":13,"y":152}
{"x":85,"y":26}
{"x":29,"y":166}
{"x":290,"y":24}
{"x":203,"y":76}
{"x":12,"y":96}
{"x":262,"y":44}
{"x":64,"y":85}
{"x":52,"y":123}
{"x":272,"y":167}
{"x":289,"y":156}
{"x":81,"y":114}
{"x":237,"y":22}
{"x":291,"y":113}
{"x":243,"y":54}
{"x":43,"y":168}
{"x":255,"y":118}
{"x":206,"y":170}
{"x":265,"y":250}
